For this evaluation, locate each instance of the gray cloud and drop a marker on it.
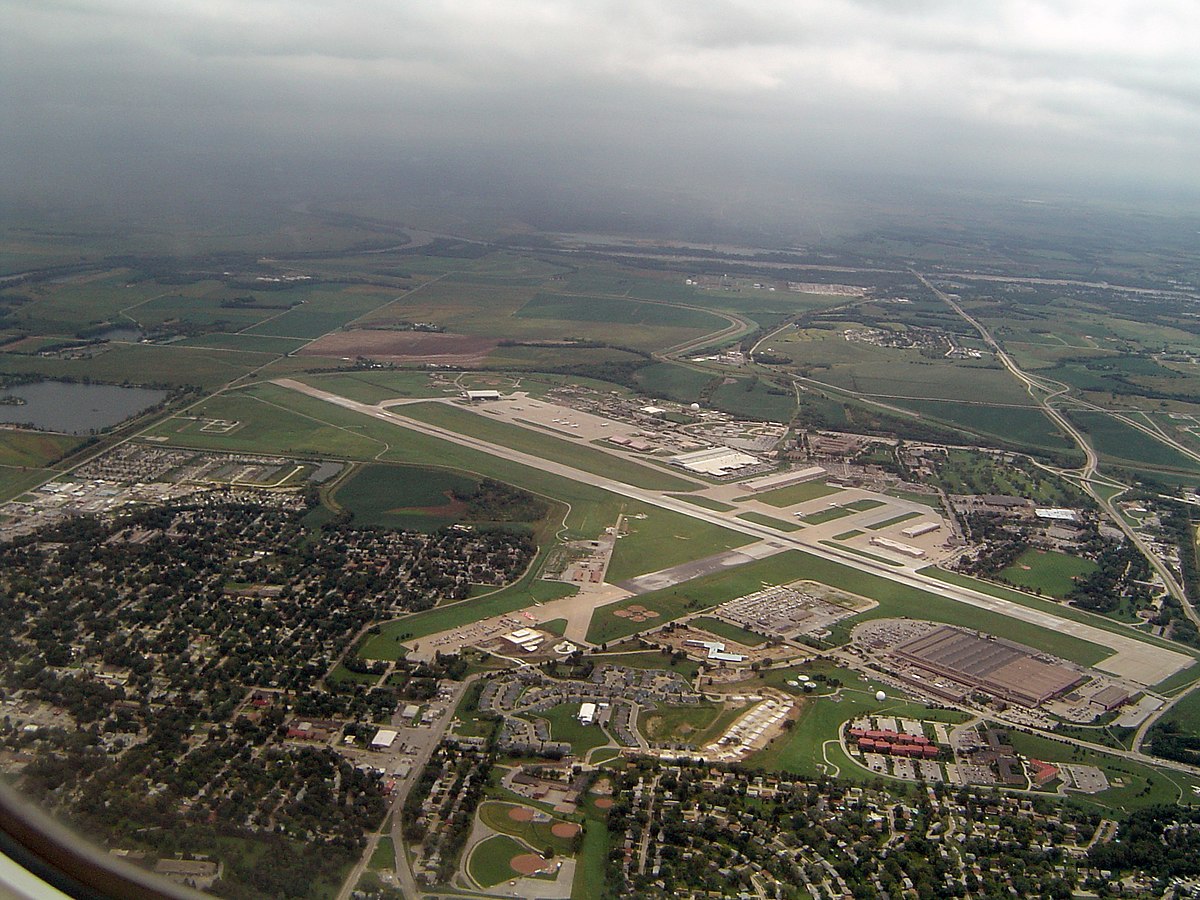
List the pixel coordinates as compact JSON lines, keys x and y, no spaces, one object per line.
{"x":717,"y":93}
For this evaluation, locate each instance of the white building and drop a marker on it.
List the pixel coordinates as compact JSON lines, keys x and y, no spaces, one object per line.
{"x":715,"y":461}
{"x":384,"y":738}
{"x":587,"y":713}
{"x":479,"y":396}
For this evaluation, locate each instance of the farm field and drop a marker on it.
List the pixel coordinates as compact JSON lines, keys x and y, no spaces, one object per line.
{"x":404,"y":497}
{"x":674,"y":381}
{"x":1047,"y":571}
{"x":1118,"y":441}
{"x":14,"y":482}
{"x":324,"y":309}
{"x":252,"y":343}
{"x":616,"y":310}
{"x":756,"y":399}
{"x":32,"y":449}
{"x":546,"y":446}
{"x":154,"y":364}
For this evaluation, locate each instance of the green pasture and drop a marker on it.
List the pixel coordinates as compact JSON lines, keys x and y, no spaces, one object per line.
{"x":1118,"y":441}
{"x":1047,"y":571}
{"x":253,"y":343}
{"x":14,"y":482}
{"x":324,"y":308}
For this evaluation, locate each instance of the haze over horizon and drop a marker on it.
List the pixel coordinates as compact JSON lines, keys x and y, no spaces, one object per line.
{"x":715,"y":106}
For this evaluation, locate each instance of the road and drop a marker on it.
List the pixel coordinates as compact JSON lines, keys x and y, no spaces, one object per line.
{"x":430,"y":737}
{"x":1124,"y":646}
{"x":1043,"y":395}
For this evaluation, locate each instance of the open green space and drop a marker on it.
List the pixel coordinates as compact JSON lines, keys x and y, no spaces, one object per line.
{"x":616,"y":310}
{"x":705,"y":502}
{"x":557,"y":627}
{"x":543,"y":445}
{"x":589,"y":880}
{"x":488,"y":864}
{"x":770,"y":521}
{"x":794,"y":493}
{"x":1024,"y":425}
{"x":375,"y":386}
{"x":1114,"y":439}
{"x":1047,"y":571}
{"x":384,"y":854}
{"x":730,"y":632}
{"x":32,"y":449}
{"x":676,"y":382}
{"x":14,"y":482}
{"x":678,"y":724}
{"x":894,"y":600}
{"x":755,"y":398}
{"x":661,"y":538}
{"x":894,"y":520}
{"x":388,"y":496}
{"x":249,"y":342}
{"x":565,"y":726}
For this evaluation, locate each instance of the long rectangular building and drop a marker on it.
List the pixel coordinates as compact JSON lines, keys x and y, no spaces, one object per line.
{"x":998,"y":667}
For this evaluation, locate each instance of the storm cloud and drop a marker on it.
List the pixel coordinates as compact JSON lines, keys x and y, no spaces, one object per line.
{"x":719,"y":96}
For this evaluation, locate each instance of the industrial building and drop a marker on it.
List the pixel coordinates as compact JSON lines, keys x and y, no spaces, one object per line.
{"x":897,"y":547}
{"x":479,"y":396}
{"x":384,"y":738}
{"x":997,"y":667}
{"x":913,"y":531}
{"x":784,"y":479}
{"x":715,"y":461}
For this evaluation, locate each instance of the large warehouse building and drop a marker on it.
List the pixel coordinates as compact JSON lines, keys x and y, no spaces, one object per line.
{"x":998,"y":667}
{"x":715,"y":461}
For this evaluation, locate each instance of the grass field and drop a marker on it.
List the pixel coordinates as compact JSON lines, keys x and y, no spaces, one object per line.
{"x":384,"y":855}
{"x":565,"y":726}
{"x":846,"y":535}
{"x":373,"y":386}
{"x":14,"y":482}
{"x":1047,"y":571}
{"x":894,"y":520}
{"x":26,"y":449}
{"x":616,"y":310}
{"x":794,"y":493}
{"x":543,"y":445}
{"x":771,"y":522}
{"x":678,"y":724}
{"x":705,"y":502}
{"x":324,"y":309}
{"x":729,"y":632}
{"x":757,"y":399}
{"x":385,"y":496}
{"x":589,"y":867}
{"x":664,"y":538}
{"x":248,"y":342}
{"x":669,"y":380}
{"x":894,"y":600}
{"x":837,"y":512}
{"x":1116,"y":440}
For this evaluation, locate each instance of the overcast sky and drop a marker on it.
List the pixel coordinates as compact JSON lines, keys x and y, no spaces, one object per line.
{"x":722,"y":95}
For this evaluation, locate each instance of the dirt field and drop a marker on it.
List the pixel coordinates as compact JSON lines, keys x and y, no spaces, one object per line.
{"x":404,"y":346}
{"x":564,"y":829}
{"x":521,"y":814}
{"x":528,"y":863}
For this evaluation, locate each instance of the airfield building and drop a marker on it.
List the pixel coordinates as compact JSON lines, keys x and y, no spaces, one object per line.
{"x":715,"y":461}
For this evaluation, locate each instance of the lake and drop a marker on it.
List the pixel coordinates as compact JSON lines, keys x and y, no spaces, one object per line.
{"x":75,"y":408}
